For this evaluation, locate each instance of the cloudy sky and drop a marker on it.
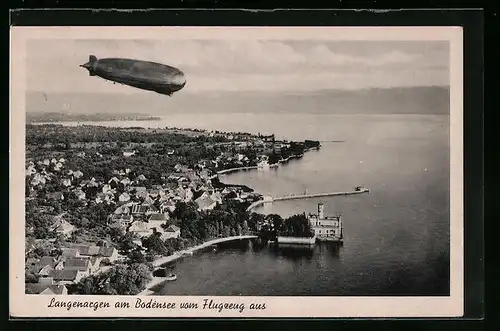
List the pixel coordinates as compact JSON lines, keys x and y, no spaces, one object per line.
{"x":251,"y":65}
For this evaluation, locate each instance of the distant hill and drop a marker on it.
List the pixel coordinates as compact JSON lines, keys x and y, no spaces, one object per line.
{"x":412,"y":100}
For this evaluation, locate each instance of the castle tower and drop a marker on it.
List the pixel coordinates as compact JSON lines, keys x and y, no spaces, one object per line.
{"x":321,"y":213}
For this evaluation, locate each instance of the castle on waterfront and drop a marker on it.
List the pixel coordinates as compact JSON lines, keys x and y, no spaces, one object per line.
{"x":326,"y":228}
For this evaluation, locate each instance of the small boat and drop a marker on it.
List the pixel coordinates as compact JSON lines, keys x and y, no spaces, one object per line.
{"x":188,"y":253}
{"x":171,"y":277}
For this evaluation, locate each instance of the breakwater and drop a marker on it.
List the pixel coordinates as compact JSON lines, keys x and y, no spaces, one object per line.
{"x":269,"y":199}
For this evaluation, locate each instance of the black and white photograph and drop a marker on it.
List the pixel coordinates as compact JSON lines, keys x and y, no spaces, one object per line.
{"x":222,"y":164}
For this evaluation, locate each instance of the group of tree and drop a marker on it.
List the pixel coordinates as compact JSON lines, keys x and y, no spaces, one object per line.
{"x":273,"y":225}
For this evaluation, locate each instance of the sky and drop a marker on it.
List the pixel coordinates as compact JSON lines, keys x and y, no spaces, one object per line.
{"x":245,"y":65}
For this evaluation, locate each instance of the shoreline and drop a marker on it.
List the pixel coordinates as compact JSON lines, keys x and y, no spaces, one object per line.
{"x":179,"y":254}
{"x":183,"y":253}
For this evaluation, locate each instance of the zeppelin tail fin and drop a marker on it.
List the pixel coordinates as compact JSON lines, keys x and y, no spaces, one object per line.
{"x":90,"y":66}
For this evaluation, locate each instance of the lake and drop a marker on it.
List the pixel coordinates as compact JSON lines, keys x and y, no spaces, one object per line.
{"x":396,"y":238}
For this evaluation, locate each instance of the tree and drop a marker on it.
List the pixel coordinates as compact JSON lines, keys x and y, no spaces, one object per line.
{"x":136,"y":256}
{"x":155,"y":245}
{"x":126,"y":243}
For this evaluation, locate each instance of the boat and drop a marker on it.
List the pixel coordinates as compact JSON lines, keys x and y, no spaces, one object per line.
{"x":187,"y":253}
{"x":171,"y":277}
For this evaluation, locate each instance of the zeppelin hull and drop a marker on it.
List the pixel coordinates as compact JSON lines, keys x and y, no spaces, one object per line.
{"x":145,"y":75}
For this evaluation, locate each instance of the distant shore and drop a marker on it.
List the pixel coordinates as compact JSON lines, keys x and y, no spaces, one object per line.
{"x":57,"y":117}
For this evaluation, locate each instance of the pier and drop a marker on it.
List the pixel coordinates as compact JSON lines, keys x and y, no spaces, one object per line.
{"x":269,"y":199}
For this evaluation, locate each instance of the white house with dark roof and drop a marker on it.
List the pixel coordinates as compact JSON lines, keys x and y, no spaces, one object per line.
{"x":62,"y":227}
{"x":80,"y":195}
{"x":128,"y":153}
{"x":205,"y":203}
{"x":124,"y":197}
{"x":64,"y":277}
{"x":172,"y":231}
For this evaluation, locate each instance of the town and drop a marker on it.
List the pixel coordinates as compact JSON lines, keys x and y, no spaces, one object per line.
{"x":102,"y":204}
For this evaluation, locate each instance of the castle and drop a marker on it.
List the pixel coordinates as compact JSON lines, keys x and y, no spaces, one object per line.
{"x":326,"y":228}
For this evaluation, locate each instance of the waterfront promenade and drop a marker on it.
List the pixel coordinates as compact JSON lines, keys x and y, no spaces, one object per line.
{"x":269,"y":199}
{"x":177,"y":255}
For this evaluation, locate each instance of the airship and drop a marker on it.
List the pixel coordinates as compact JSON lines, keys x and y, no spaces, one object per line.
{"x":145,"y":75}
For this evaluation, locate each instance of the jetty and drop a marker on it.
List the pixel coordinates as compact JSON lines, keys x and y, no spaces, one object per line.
{"x":269,"y":199}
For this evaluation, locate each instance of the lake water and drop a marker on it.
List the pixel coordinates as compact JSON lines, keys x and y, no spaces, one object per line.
{"x":396,"y":238}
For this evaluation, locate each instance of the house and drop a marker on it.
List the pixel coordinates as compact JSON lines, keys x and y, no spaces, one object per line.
{"x":69,"y":253}
{"x":113,"y":182}
{"x":55,"y":196}
{"x":85,"y":250}
{"x":141,"y":178}
{"x":58,"y":166}
{"x":168,"y":205}
{"x":104,"y":197}
{"x":128,"y":153}
{"x":145,"y":229}
{"x":123,"y":219}
{"x":140,"y":209}
{"x":109,"y":253}
{"x":66,"y":182}
{"x":188,"y":194}
{"x":45,"y":265}
{"x":140,"y":228}
{"x":172,"y":232}
{"x":139,"y":191}
{"x":30,"y":171}
{"x":107,"y":188}
{"x":77,"y":174}
{"x":62,"y":227}
{"x":80,"y":195}
{"x":80,"y":264}
{"x":205,"y":203}
{"x":124,"y":197}
{"x":126,"y":181}
{"x":154,"y":193}
{"x":35,"y":288}
{"x":38,"y":179}
{"x":158,"y":217}
{"x":216,"y":196}
{"x":63,"y":277}
{"x":123,"y":209}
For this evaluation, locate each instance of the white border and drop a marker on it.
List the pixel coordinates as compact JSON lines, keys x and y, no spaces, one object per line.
{"x":22,"y":305}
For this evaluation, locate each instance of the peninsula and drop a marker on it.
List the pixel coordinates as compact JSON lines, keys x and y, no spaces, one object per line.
{"x":105,"y":206}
